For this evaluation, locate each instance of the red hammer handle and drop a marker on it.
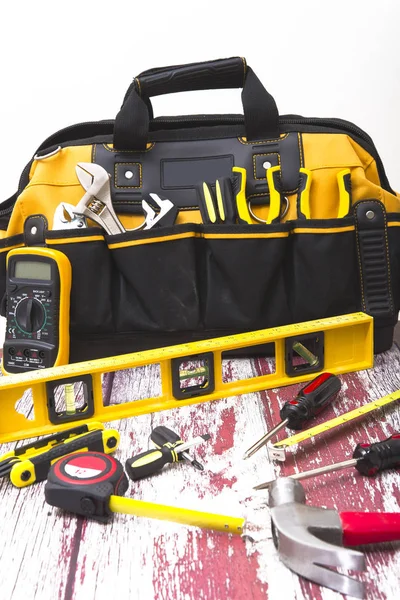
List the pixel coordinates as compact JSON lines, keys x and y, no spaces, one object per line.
{"x":369,"y":527}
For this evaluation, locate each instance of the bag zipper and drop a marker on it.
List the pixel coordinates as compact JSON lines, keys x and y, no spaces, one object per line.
{"x":284,"y":120}
{"x":218,"y":119}
{"x":334,"y":123}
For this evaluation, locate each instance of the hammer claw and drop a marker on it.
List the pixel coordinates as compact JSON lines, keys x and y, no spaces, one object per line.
{"x":335,"y":581}
{"x":309,"y":539}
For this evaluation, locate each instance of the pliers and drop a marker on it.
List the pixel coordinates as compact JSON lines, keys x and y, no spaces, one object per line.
{"x":275,"y":213}
{"x":303,"y":195}
{"x":229,"y":205}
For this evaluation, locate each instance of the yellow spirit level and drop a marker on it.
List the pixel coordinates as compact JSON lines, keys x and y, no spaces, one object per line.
{"x":338,"y":345}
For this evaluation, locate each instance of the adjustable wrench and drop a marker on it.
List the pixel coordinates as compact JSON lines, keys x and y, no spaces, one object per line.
{"x":97,"y":204}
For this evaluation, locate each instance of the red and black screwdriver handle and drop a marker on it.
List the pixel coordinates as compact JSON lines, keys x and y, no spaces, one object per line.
{"x":310,"y":400}
{"x":372,"y":458}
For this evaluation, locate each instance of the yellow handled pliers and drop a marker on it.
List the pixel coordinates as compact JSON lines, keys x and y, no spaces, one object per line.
{"x":303,"y":195}
{"x":243,"y":205}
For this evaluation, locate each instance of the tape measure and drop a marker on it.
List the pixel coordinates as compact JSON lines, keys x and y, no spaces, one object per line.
{"x":277,"y":451}
{"x":38,"y":298}
{"x":91,"y":484}
{"x":337,"y":344}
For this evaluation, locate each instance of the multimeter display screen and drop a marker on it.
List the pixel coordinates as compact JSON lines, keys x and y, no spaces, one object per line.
{"x":30,"y":269}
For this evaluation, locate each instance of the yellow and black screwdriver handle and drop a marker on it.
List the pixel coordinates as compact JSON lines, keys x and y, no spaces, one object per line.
{"x":167,"y":451}
{"x":163,"y":437}
{"x":149,"y":462}
{"x":33,"y":467}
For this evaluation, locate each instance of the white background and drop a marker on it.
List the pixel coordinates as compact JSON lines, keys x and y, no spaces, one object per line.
{"x":68,"y":62}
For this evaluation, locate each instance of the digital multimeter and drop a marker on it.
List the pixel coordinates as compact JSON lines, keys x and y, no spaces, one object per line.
{"x":38,"y":292}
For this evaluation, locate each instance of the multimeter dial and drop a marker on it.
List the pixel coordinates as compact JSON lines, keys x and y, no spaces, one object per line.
{"x":30,"y":315}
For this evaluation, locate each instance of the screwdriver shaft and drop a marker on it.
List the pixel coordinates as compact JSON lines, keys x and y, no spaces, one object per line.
{"x":265,"y":439}
{"x":195,"y":463}
{"x":200,"y":439}
{"x":346,"y":464}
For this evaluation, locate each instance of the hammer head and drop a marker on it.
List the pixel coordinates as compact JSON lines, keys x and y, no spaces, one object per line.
{"x":309,"y":539}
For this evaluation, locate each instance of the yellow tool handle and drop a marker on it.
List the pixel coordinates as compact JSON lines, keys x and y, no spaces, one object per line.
{"x":36,"y":468}
{"x":241,"y":200}
{"x":344,"y":184}
{"x":46,"y":443}
{"x":220,"y":201}
{"x":209,"y":201}
{"x":304,"y":199}
{"x":332,"y":423}
{"x":274,"y":196}
{"x":149,"y":462}
{"x":195,"y":518}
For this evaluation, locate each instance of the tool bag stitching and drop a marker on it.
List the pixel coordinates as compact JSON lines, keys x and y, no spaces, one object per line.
{"x":126,"y":164}
{"x":363,"y":304}
{"x":255,"y":156}
{"x":109,"y":149}
{"x":243,"y":141}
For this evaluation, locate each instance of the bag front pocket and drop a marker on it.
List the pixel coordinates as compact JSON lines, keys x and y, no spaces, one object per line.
{"x":244,"y":278}
{"x":325,"y":274}
{"x":91,"y":308}
{"x":155,"y":280}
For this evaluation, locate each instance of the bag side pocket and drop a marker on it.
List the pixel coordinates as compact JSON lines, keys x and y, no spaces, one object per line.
{"x":324,"y":275}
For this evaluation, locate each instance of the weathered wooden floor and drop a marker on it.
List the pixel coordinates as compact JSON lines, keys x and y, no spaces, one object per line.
{"x":47,"y":555}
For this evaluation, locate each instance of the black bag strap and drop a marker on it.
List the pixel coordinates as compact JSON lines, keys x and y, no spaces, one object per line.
{"x":374,"y":261}
{"x":261,"y":117}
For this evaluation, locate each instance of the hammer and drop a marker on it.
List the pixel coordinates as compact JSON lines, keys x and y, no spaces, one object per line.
{"x":310,"y":539}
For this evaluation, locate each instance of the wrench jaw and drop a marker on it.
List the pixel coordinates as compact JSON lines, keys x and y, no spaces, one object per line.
{"x":65,"y":218}
{"x":150,"y":213}
{"x":96,"y":202}
{"x":167,"y":214}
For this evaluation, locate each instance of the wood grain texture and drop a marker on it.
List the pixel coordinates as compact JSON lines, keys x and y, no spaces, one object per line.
{"x":48,"y":555}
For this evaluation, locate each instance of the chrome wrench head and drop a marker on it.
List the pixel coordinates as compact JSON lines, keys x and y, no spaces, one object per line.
{"x":309,"y":539}
{"x":66,"y":218}
{"x":96,"y":203}
{"x":150,"y":213}
{"x":168,"y":212}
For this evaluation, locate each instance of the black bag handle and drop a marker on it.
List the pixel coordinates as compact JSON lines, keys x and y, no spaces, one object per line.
{"x":261,"y":117}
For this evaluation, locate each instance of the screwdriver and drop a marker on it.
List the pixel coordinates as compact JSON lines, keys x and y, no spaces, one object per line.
{"x":151,"y":461}
{"x":309,"y":402}
{"x":163,"y":436}
{"x":368,"y":459}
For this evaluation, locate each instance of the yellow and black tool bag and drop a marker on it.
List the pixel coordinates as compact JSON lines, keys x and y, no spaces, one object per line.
{"x":194,"y":280}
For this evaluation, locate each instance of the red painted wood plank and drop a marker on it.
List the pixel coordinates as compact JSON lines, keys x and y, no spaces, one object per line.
{"x":50,"y":555}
